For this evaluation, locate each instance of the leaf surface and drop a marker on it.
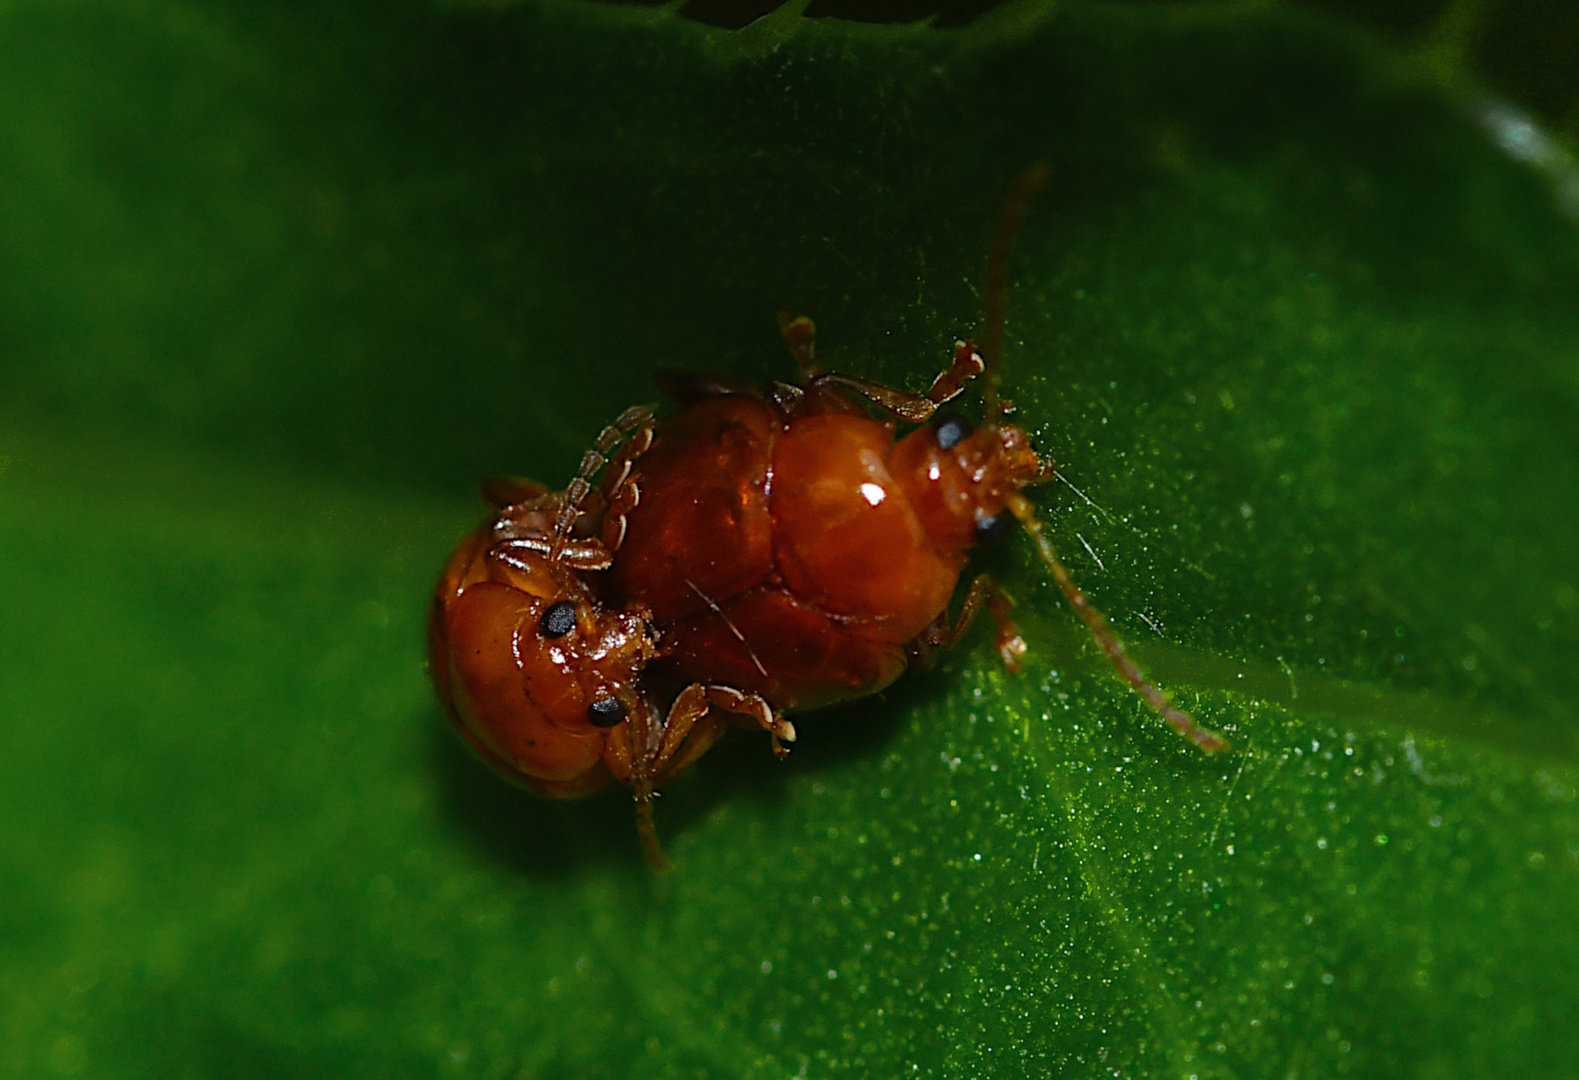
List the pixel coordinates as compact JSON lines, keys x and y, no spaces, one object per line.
{"x":278,"y":288}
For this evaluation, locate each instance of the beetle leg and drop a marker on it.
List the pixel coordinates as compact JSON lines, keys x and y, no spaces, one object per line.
{"x":574,"y":496}
{"x":800,"y":334}
{"x":695,"y":700}
{"x":690,"y":728}
{"x":915,"y":408}
{"x":618,"y":472}
{"x":620,"y":487}
{"x":688,"y":731}
{"x":966,"y":365}
{"x":620,"y":506}
{"x":984,"y":591}
{"x":576,"y":554}
{"x":756,"y":708}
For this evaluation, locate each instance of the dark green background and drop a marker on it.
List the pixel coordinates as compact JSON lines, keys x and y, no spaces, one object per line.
{"x":277,"y":287}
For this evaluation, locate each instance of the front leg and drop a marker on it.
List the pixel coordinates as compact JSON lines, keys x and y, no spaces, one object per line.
{"x":621,"y":490}
{"x":755,"y":708}
{"x":636,"y":418}
{"x":915,"y":408}
{"x":692,"y":725}
{"x":984,"y":592}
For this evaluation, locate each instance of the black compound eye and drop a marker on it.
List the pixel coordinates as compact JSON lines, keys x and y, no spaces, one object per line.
{"x":559,"y":619}
{"x":951,"y":429}
{"x":990,"y":529}
{"x":606,"y":712}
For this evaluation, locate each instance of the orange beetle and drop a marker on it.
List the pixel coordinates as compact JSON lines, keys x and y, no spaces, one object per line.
{"x":540,"y":677}
{"x":789,"y":547}
{"x":763,"y":552}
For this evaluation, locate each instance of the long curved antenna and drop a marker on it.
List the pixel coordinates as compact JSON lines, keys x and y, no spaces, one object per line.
{"x":1180,"y":720}
{"x":995,"y":299}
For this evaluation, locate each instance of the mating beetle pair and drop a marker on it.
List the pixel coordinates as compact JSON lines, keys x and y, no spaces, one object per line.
{"x":754,"y":554}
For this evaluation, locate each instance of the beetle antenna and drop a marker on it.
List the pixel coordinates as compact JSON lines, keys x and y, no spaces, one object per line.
{"x":648,"y":833}
{"x":644,"y":737}
{"x":1180,"y":720}
{"x":995,"y":300}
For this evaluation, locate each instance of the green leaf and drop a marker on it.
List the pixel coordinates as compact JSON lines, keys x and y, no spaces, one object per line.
{"x":280,"y":285}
